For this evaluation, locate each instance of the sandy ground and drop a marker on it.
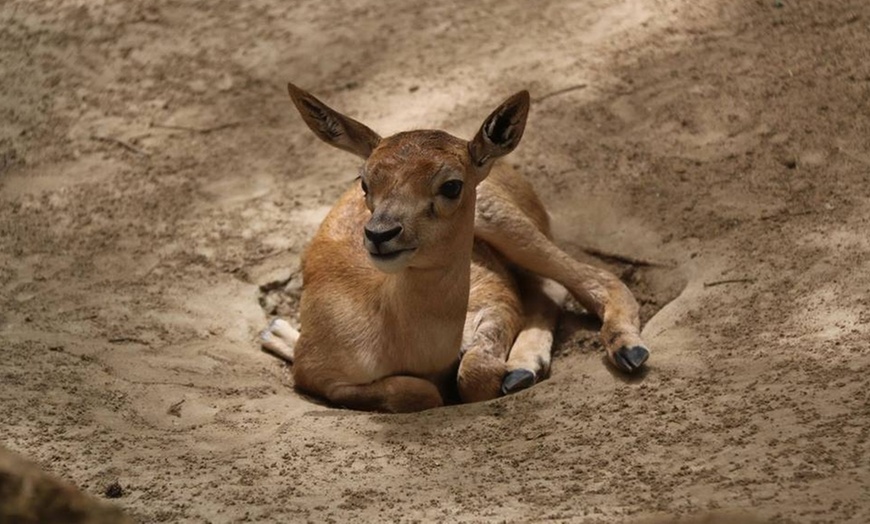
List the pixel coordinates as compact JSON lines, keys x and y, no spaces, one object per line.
{"x":157,"y":188}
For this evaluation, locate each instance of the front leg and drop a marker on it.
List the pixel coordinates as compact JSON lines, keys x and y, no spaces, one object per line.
{"x":480,"y":376}
{"x":489,"y":333}
{"x":393,"y":394}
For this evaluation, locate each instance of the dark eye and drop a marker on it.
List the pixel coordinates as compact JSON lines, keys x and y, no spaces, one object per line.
{"x":365,"y":188}
{"x":450,"y":189}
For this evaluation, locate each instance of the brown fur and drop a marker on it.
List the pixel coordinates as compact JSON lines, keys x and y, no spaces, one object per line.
{"x":29,"y":495}
{"x":386,"y":332}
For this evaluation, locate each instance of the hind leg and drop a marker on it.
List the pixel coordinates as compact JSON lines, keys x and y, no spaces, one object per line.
{"x":279,"y":339}
{"x":502,"y":221}
{"x":494,"y":318}
{"x":529,"y":359}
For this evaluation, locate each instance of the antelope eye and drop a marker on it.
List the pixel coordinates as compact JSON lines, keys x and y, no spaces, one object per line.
{"x":365,"y":188}
{"x":451,"y":189}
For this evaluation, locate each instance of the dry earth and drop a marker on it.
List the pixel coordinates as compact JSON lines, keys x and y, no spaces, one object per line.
{"x":154,"y":178}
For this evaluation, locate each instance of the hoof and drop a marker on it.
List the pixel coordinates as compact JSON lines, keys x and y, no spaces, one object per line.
{"x":517,"y":380}
{"x":630,"y":359}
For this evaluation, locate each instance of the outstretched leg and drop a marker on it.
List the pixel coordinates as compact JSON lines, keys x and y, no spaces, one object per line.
{"x":529,"y":359}
{"x":502,"y":223}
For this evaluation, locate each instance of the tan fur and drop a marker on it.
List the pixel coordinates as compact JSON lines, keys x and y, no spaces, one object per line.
{"x":385,"y":323}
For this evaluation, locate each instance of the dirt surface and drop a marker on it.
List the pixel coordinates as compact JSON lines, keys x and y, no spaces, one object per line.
{"x":28,"y":495}
{"x":154,"y":177}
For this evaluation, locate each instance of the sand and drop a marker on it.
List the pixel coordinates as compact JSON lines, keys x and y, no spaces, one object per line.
{"x":157,"y":189}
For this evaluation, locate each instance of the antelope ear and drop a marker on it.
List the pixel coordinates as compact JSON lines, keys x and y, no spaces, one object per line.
{"x":331,"y":126}
{"x":501,"y":131}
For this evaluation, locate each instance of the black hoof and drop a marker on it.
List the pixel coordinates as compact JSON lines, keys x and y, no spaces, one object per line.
{"x":631,"y":359}
{"x":517,"y":380}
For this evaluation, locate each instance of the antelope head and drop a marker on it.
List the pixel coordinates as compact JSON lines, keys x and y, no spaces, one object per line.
{"x":419,"y":186}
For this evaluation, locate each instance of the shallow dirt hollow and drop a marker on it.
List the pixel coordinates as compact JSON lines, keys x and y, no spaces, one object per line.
{"x":154,"y":177}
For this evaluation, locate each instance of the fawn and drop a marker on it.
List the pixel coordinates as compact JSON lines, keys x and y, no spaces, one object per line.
{"x":436,"y":271}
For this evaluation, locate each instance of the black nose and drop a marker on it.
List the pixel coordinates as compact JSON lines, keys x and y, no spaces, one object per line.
{"x":383,"y":235}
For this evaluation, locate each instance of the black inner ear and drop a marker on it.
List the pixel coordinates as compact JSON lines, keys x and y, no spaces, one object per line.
{"x":499,"y":129}
{"x":328,"y":125}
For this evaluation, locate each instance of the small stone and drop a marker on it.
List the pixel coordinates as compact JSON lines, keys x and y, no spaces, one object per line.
{"x":114,"y":490}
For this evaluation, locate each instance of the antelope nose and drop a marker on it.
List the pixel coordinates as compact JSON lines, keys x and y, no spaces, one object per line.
{"x":379,"y":236}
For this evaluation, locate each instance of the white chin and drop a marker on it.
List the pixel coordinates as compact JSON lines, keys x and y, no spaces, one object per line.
{"x":391,"y":264}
